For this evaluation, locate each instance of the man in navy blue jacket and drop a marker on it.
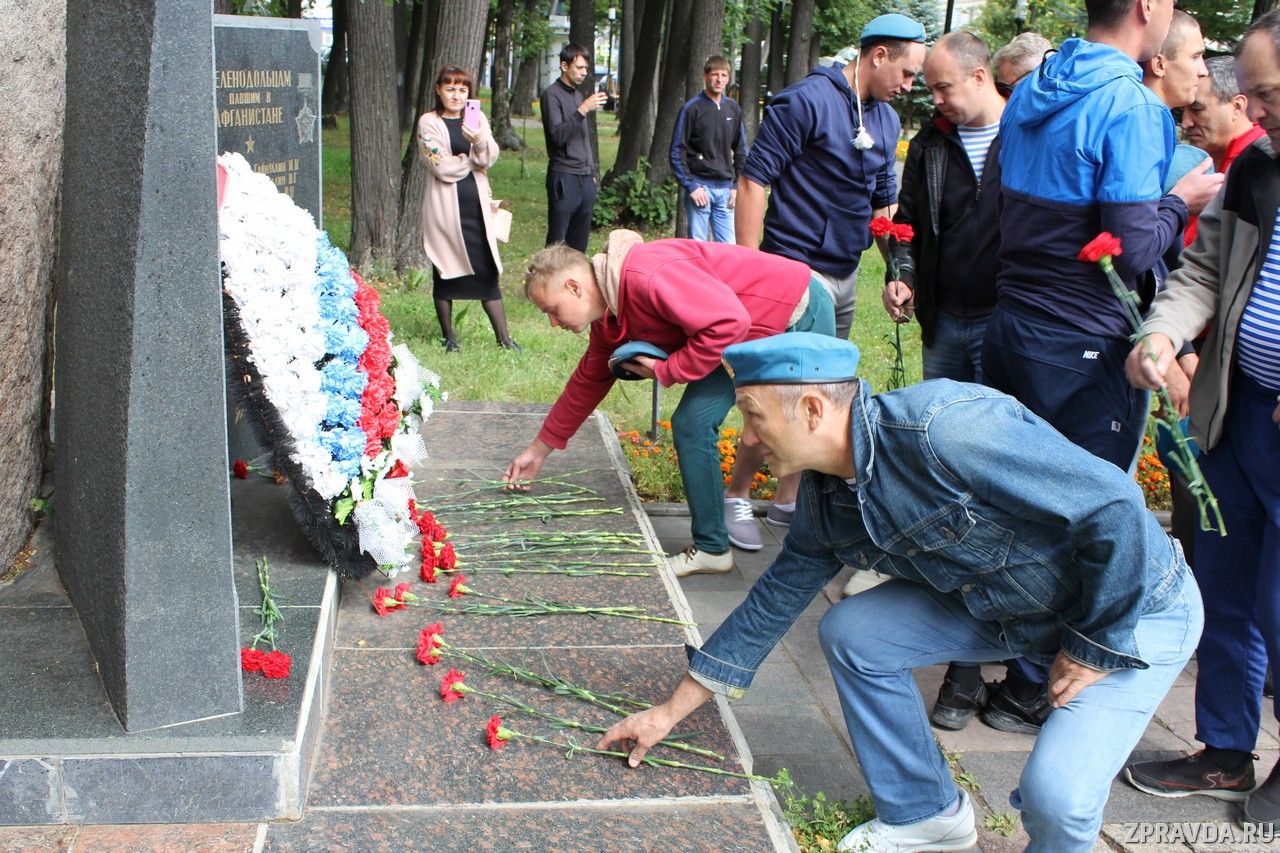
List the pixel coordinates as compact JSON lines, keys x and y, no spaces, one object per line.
{"x":827,"y":147}
{"x":1085,"y":149}
{"x":707,"y":150}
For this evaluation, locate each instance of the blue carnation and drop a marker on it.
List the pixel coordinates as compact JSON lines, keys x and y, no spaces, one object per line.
{"x":333,"y":272}
{"x":345,"y":444}
{"x":342,"y":379}
{"x":338,"y":307}
{"x":342,"y":411}
{"x":346,"y":341}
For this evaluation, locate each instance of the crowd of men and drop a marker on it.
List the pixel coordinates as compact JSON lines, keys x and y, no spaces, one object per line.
{"x":1000,"y":497}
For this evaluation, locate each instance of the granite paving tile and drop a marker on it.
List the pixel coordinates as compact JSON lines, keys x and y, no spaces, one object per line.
{"x":836,"y":775}
{"x":263,"y":525}
{"x":37,"y":839}
{"x":722,"y":828}
{"x":796,"y":727}
{"x":390,"y":740}
{"x":170,"y":789}
{"x":359,"y":625}
{"x":38,"y":586}
{"x":30,"y":792}
{"x":207,"y":838}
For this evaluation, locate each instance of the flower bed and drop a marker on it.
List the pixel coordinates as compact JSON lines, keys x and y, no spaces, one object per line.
{"x":655,"y":466}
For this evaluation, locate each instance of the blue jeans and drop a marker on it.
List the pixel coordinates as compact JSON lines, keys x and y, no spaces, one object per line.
{"x":716,"y":212}
{"x":956,"y":351}
{"x":1239,"y":574}
{"x":695,"y":430}
{"x":874,"y":639}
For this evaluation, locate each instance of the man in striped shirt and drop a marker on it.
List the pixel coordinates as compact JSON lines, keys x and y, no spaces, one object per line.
{"x":1230,"y":278}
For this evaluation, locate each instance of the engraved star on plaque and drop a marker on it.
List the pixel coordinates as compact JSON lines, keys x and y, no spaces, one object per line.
{"x":306,"y":121}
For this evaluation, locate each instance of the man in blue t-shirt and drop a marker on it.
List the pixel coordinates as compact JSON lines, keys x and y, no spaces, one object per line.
{"x":707,"y":150}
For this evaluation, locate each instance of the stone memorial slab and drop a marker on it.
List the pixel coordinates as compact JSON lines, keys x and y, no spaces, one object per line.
{"x":143,"y":525}
{"x":267,"y":87}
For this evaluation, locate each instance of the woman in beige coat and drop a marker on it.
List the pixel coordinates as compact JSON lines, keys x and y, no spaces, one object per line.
{"x":457,"y":219}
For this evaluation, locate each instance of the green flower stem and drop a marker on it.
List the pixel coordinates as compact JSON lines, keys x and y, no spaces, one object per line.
{"x":574,"y":748}
{"x":508,"y":571}
{"x":539,"y":607}
{"x":267,"y":610}
{"x":1184,"y":460}
{"x":566,"y":723}
{"x":613,"y":702}
{"x":529,"y":515}
{"x":487,"y":485}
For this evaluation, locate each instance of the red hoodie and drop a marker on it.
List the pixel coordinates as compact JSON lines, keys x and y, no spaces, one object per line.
{"x":691,"y":299}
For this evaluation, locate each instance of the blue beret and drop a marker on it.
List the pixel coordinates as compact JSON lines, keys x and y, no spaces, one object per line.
{"x":892,"y":26}
{"x":792,"y":358}
{"x":1185,"y":158}
{"x":627,"y":352}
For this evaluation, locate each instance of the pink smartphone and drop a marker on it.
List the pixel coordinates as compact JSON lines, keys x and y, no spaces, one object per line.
{"x":471,"y":114}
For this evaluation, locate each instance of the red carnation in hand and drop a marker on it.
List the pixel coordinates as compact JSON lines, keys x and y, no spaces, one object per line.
{"x":240,"y":469}
{"x":881,"y":226}
{"x":497,"y":734}
{"x":447,"y":693}
{"x":1105,"y":245}
{"x":448,"y":559}
{"x":458,"y":588}
{"x":251,"y":659}
{"x":429,"y":642}
{"x":902,"y":232}
{"x":276,"y":664}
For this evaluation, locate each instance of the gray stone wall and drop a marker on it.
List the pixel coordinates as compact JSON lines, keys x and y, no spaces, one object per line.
{"x":32,"y":76}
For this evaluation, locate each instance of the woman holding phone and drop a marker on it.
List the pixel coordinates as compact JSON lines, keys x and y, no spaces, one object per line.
{"x":457,"y":217}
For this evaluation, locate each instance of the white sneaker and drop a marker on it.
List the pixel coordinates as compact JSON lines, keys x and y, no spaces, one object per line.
{"x":953,"y":832}
{"x":741,"y":522}
{"x":691,"y":561}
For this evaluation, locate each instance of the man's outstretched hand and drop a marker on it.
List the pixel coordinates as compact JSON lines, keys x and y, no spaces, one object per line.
{"x":526,"y":466}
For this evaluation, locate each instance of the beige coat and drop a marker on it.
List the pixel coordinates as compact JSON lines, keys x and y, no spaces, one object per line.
{"x":441,"y":228}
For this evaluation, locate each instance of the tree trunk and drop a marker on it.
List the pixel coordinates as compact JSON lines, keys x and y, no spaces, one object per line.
{"x":526,"y":85}
{"x":459,"y":40}
{"x":582,"y":30}
{"x":375,"y":132}
{"x":706,"y":39}
{"x":671,"y":94}
{"x":749,"y":76}
{"x":632,"y":12}
{"x":293,"y":9}
{"x":635,"y":124}
{"x":504,"y":25}
{"x":777,"y":51}
{"x":800,"y":35}
{"x":1262,"y":7}
{"x":224,"y":7}
{"x":413,"y":64}
{"x":335,"y":95}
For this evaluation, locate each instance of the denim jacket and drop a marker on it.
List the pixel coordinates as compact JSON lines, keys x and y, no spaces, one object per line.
{"x":962,"y":488}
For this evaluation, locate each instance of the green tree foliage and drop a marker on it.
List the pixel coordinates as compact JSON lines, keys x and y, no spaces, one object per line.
{"x":1221,"y":21}
{"x":1056,"y":20}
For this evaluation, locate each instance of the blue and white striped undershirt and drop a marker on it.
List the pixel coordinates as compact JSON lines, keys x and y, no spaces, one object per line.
{"x":1258,"y":340}
{"x":977,"y":142}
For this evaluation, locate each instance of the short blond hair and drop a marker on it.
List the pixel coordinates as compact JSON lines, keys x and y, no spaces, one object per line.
{"x":547,"y":263}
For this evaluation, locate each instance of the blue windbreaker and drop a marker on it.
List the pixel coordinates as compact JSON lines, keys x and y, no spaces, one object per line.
{"x":1085,"y":149}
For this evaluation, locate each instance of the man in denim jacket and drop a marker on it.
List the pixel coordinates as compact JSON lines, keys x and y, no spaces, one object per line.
{"x":1002,"y":537}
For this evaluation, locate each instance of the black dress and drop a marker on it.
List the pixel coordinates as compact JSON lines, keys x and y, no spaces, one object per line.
{"x":483,"y":282}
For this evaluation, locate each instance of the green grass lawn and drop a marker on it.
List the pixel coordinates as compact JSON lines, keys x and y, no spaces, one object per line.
{"x":483,"y":371}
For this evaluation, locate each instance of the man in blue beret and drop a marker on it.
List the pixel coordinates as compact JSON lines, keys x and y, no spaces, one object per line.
{"x":1002,"y":538}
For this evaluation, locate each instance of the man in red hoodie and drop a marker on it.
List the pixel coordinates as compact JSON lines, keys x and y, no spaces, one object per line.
{"x":689,"y":299}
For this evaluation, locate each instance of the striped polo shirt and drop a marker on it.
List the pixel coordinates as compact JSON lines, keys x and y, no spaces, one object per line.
{"x":977,"y":142}
{"x":1258,"y":339}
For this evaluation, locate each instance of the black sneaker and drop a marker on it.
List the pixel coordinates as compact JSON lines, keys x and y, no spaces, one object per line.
{"x":1263,"y":805}
{"x":1007,"y":713}
{"x":1193,"y":774}
{"x":956,"y":706}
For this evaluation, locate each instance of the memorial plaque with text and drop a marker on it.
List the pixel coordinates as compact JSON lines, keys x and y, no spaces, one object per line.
{"x":267,"y":85}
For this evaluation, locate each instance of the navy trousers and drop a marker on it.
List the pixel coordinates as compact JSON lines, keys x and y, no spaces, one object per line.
{"x":571,"y":199}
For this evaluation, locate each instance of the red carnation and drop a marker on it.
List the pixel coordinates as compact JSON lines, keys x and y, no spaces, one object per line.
{"x":496,"y":732}
{"x":426,"y":521}
{"x":399,"y":470}
{"x":251,"y":659}
{"x":438,"y":533}
{"x":276,"y":664}
{"x":1105,"y":245}
{"x":447,"y":693}
{"x":383,"y":600}
{"x":458,"y":588}
{"x":902,"y":232}
{"x":448,"y":559}
{"x":413,"y":510}
{"x":881,"y":226}
{"x":401,"y":589}
{"x":428,"y":643}
{"x":428,"y":571}
{"x":240,"y":469}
